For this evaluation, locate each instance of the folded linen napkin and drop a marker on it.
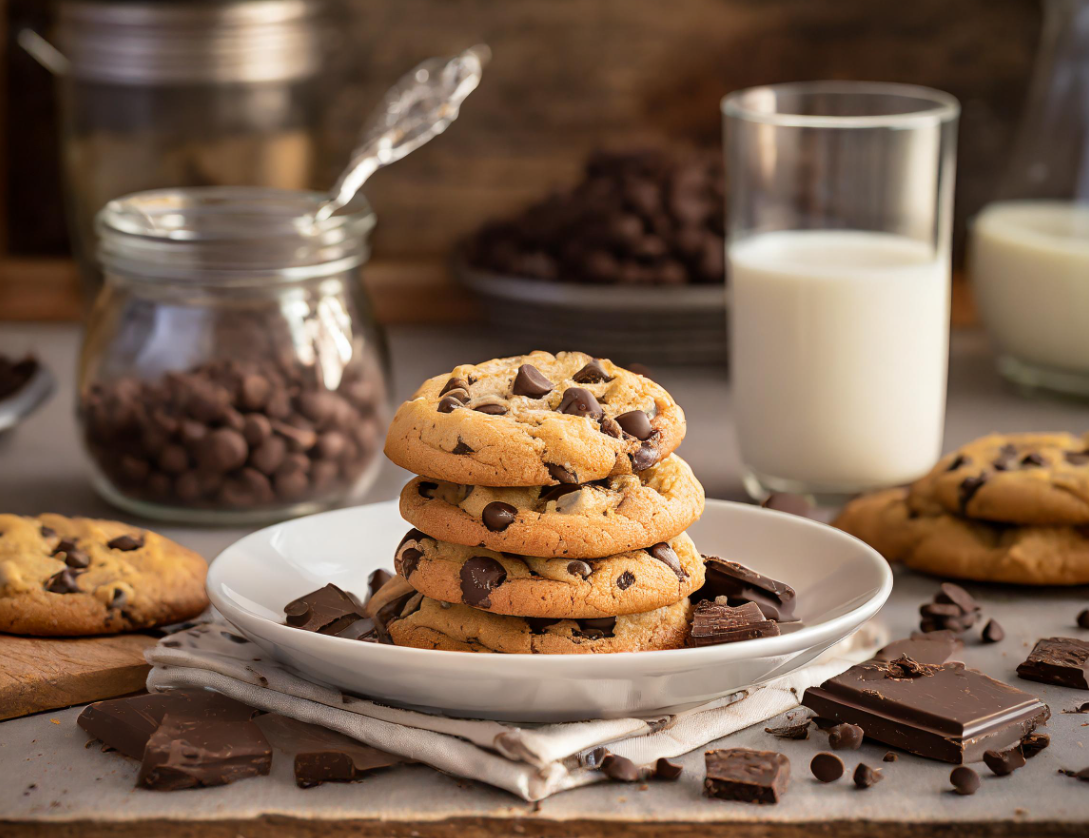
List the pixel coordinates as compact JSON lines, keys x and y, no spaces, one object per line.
{"x":531,"y":761}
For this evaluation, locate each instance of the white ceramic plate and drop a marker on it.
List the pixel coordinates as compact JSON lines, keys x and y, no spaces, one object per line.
{"x":840,"y":581}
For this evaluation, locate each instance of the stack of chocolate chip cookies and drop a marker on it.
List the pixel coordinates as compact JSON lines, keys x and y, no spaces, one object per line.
{"x":1004,"y":508}
{"x":550,"y":511}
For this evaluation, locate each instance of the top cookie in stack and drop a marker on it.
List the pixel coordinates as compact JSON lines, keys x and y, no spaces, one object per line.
{"x":549,"y":512}
{"x":1004,"y":508}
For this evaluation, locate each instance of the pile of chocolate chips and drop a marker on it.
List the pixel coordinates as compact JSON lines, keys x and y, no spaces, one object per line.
{"x":233,"y":435}
{"x":636,"y":218}
{"x":952,"y":609}
{"x":15,"y":374}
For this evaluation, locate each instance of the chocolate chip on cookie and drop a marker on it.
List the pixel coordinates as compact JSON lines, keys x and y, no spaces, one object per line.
{"x":64,"y":582}
{"x":625,"y":580}
{"x":448,"y":404}
{"x":578,"y":401}
{"x":665,"y":554}
{"x":636,"y":423}
{"x":592,"y":373}
{"x":491,"y":409}
{"x":561,"y":474}
{"x":531,"y":382}
{"x":497,"y":516}
{"x":454,"y":384}
{"x":579,"y":568}
{"x":479,"y":577}
{"x":126,"y":543}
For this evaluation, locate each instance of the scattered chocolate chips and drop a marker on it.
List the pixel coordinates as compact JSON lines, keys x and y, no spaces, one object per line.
{"x":827,"y":768}
{"x":965,"y":781}
{"x":716,"y":622}
{"x":578,"y":401}
{"x":864,"y":776}
{"x":1003,"y":763}
{"x":1083,"y":774}
{"x":1083,"y":619}
{"x":579,"y":568}
{"x":1032,"y":744}
{"x":592,"y":373}
{"x":497,"y":515}
{"x":1063,"y":661}
{"x":745,"y":775}
{"x":635,"y":423}
{"x":952,"y":609}
{"x":890,"y":756}
{"x":126,"y":543}
{"x":668,"y":556}
{"x":531,"y":382}
{"x":621,"y":769}
{"x":666,"y":770}
{"x":625,"y":580}
{"x":993,"y":632}
{"x":481,"y":575}
{"x":845,"y":737}
{"x":64,"y":582}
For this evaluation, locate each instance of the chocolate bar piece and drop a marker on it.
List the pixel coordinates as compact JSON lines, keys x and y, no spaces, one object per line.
{"x":739,"y":585}
{"x":186,"y":752}
{"x":327,"y":610}
{"x":945,"y":712}
{"x":126,"y":724}
{"x":716,"y":622}
{"x":1062,"y":661}
{"x":746,"y":775}
{"x":935,"y":647}
{"x":323,"y":755}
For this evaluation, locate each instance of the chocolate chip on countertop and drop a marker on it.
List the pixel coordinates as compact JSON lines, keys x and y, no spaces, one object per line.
{"x":865,"y":776}
{"x":890,"y":756}
{"x":845,"y":737}
{"x":578,"y":401}
{"x":666,"y":770}
{"x":621,"y":769}
{"x":1032,"y":744}
{"x":1003,"y":763}
{"x":667,"y":556}
{"x":964,"y":780}
{"x":1083,"y":619}
{"x":992,"y":632}
{"x":126,"y":543}
{"x":530,"y":382}
{"x":955,"y":594}
{"x":827,"y":768}
{"x":481,"y":575}
{"x":636,"y":423}
{"x":592,"y":373}
{"x":579,"y":568}
{"x":497,"y":515}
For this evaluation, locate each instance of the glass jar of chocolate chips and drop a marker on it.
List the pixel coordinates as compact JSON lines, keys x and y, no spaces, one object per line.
{"x":231,"y":370}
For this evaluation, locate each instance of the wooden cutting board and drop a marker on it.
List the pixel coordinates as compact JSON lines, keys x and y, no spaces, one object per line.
{"x":44,"y":673}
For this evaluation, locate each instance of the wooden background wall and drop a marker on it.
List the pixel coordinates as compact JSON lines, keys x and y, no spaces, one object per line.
{"x":567,"y":76}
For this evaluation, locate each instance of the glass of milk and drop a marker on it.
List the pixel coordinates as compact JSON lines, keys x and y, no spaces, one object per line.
{"x":838,"y":249}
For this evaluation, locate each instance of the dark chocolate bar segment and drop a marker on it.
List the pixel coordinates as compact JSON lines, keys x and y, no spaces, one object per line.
{"x":945,"y":712}
{"x":717,"y":622}
{"x":746,"y":775}
{"x":1062,"y":661}
{"x":186,"y":752}
{"x":740,"y":584}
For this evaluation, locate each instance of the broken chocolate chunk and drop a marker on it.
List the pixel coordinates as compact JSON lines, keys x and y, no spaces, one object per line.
{"x":186,"y":752}
{"x":715,"y":622}
{"x":935,"y":647}
{"x":864,"y":776}
{"x":993,"y":632}
{"x":327,"y":610}
{"x":666,"y":770}
{"x":1003,"y":763}
{"x":621,"y":769}
{"x":1062,"y":661}
{"x":794,"y":731}
{"x":845,"y":737}
{"x":322,"y":755}
{"x":739,"y":585}
{"x":1032,"y":744}
{"x":746,"y":775}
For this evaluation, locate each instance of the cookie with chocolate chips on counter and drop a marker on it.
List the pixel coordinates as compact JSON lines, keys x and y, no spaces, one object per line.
{"x":505,"y":583}
{"x":951,"y":546}
{"x":459,"y":628}
{"x":79,"y":576}
{"x":1035,"y":479}
{"x":535,"y":420}
{"x":589,"y":520}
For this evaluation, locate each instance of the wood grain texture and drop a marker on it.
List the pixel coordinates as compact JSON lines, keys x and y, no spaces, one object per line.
{"x":46,"y":673}
{"x":529,"y":827}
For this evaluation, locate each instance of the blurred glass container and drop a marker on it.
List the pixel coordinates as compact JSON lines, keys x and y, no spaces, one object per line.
{"x":231,"y":371}
{"x":1029,"y":249}
{"x":185,"y":93}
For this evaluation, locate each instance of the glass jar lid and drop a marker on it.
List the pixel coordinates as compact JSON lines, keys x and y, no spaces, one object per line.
{"x":234,"y":235}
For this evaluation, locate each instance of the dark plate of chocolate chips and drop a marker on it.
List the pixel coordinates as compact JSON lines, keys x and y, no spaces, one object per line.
{"x":634,"y":249}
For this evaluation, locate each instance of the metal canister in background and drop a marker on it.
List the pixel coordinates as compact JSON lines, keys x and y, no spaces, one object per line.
{"x":186,"y":93}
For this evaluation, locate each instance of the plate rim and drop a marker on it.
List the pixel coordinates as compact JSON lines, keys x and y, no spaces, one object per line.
{"x":601,"y":665}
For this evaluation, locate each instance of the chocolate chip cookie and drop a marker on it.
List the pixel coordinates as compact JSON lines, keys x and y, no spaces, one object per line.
{"x":1038,"y":479}
{"x":79,"y":576}
{"x":535,"y":420}
{"x":525,"y":586}
{"x":589,"y":520}
{"x":459,"y":628}
{"x":951,"y":546}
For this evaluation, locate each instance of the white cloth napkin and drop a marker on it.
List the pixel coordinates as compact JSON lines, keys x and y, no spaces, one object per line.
{"x":533,"y":762}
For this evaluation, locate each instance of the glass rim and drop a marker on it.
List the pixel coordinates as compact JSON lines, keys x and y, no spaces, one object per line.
{"x":936,"y":106}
